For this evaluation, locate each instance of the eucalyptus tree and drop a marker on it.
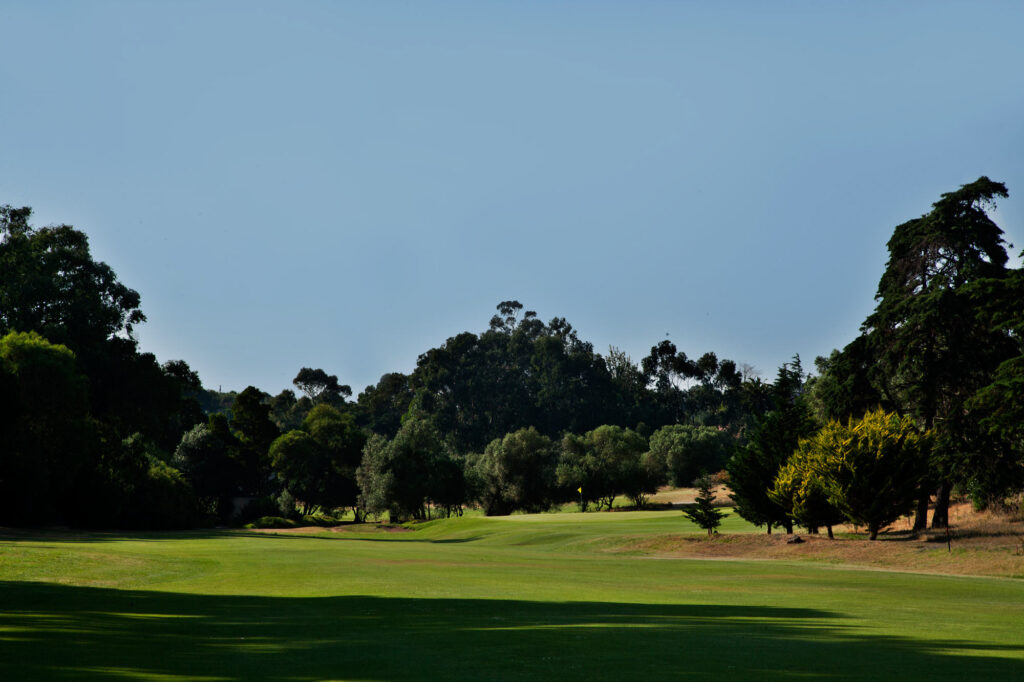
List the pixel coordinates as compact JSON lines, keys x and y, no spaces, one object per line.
{"x":518,"y":373}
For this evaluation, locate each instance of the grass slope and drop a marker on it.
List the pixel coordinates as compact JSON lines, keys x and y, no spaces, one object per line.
{"x":525,"y":597}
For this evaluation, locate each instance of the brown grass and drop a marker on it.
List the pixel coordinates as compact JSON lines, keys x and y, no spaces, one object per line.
{"x":980,"y":543}
{"x":680,"y":496}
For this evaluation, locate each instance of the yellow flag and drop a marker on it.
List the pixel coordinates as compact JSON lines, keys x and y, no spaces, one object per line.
{"x":580,"y":489}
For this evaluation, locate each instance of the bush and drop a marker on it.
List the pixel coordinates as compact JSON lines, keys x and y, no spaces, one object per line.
{"x":271,"y":522}
{"x":869,"y":469}
{"x":320,"y":519}
{"x":254,"y":509}
{"x":287,"y":506}
{"x":166,"y":500}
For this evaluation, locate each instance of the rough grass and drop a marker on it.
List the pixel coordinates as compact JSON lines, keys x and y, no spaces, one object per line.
{"x":555,"y":596}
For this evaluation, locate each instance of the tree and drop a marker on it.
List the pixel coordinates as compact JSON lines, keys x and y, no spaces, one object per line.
{"x":380,"y":408}
{"x":801,"y":488}
{"x":518,"y":373}
{"x":286,"y":412}
{"x":145,"y":491}
{"x":603,"y":462}
{"x":666,"y":370}
{"x":302,"y":466}
{"x":50,"y":284}
{"x":999,"y":405}
{"x":643,"y":479}
{"x":628,"y":387}
{"x":871,"y":467}
{"x":687,"y":451}
{"x":516,"y":472}
{"x":319,"y":386}
{"x":843,"y":387}
{"x":773,"y":438}
{"x":402,"y":476}
{"x":342,"y":441}
{"x":702,"y":512}
{"x":48,"y":440}
{"x":318,"y":462}
{"x":256,"y":432}
{"x":207,"y":457}
{"x":931,"y":350}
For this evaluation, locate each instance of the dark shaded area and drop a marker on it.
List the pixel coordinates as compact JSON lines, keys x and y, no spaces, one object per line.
{"x":61,"y":536}
{"x":50,"y":631}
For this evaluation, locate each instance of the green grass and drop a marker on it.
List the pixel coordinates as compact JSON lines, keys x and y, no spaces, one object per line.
{"x":524,"y":597}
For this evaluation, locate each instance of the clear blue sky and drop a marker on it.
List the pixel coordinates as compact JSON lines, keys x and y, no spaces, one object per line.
{"x":346,"y":184}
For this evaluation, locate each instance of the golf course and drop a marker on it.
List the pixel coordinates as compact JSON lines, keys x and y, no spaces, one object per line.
{"x":529,"y":596}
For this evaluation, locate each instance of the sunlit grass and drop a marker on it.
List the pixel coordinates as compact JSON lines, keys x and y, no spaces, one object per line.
{"x":519,"y":597}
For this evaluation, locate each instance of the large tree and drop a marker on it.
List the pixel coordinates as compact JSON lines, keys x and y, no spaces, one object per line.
{"x":208,"y":458}
{"x":256,"y":432}
{"x":868,"y":468}
{"x":319,"y":386}
{"x":998,"y":470}
{"x":931,"y":350}
{"x":410,"y":474}
{"x":518,"y":373}
{"x":380,"y":407}
{"x":605,"y":462}
{"x":516,"y":472}
{"x":687,"y":451}
{"x":50,"y":284}
{"x":48,"y":440}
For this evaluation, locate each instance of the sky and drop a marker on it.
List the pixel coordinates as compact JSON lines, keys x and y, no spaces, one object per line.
{"x":345,"y":185}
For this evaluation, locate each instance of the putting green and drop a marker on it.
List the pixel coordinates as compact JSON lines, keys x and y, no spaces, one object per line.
{"x":524,"y":597}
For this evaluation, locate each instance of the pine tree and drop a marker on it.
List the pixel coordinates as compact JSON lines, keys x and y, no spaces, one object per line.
{"x":702,"y":512}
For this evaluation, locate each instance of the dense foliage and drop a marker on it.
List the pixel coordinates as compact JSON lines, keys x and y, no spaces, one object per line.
{"x":523,"y":415}
{"x":866,"y":471}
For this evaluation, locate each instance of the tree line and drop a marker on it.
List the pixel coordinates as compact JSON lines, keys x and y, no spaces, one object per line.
{"x":925,"y":402}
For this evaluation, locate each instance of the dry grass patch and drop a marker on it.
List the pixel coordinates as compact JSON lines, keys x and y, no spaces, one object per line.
{"x":679,"y":496}
{"x":980,"y":543}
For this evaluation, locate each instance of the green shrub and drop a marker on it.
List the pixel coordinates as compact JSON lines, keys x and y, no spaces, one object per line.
{"x":254,"y":509}
{"x":869,"y":469}
{"x":320,"y":519}
{"x":271,"y":522}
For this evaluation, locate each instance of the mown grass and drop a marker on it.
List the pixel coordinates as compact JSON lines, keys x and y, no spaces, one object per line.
{"x":525,"y":597}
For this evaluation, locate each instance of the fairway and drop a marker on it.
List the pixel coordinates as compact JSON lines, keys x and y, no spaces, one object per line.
{"x":522,"y":597}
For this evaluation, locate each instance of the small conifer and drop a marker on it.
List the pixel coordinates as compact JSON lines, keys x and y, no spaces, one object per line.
{"x":702,"y":512}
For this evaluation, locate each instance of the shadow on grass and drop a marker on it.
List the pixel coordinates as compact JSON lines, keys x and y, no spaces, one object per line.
{"x":50,"y":631}
{"x":364,"y":534}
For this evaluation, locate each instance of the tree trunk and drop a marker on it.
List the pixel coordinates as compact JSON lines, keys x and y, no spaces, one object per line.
{"x":921,"y":517}
{"x":769,"y":528}
{"x":789,"y":527}
{"x":940,"y":517}
{"x":830,"y":536}
{"x":873,"y":530}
